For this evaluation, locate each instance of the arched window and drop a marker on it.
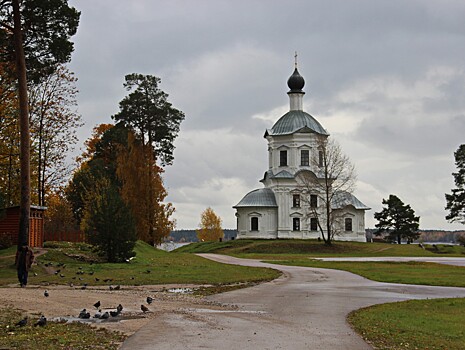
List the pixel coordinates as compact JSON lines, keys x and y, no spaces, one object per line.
{"x":254,"y":224}
{"x":348,"y":224}
{"x":295,"y":224}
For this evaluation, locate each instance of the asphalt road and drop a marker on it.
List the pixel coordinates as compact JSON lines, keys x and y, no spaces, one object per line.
{"x":304,"y":309}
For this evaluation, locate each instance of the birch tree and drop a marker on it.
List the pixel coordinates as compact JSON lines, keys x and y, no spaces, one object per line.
{"x":333,"y":173}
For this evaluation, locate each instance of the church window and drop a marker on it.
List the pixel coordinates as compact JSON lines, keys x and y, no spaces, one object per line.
{"x":282,"y":158}
{"x":296,"y":224}
{"x":304,"y":157}
{"x":320,"y":158}
{"x":313,"y":224}
{"x":254,"y":224}
{"x":348,"y":224}
{"x":296,"y":200}
{"x":313,"y":201}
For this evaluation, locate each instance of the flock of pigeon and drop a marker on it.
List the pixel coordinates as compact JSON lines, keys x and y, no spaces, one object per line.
{"x":84,"y":314}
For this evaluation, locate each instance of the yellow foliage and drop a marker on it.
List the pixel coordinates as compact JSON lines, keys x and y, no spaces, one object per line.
{"x":210,"y":226}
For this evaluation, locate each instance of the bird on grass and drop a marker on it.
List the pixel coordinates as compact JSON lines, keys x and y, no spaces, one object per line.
{"x":84,"y":314}
{"x":46,"y":294}
{"x":22,"y":323}
{"x":97,"y":304}
{"x":42,"y":321}
{"x":149,"y":300}
{"x":114,"y":313}
{"x":144,"y":308}
{"x":119,"y":308}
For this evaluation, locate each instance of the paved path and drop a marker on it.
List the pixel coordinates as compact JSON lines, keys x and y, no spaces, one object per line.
{"x":439,"y":260}
{"x":306,"y":308}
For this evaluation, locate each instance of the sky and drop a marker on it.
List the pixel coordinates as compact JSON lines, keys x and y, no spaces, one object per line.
{"x":385,"y":78}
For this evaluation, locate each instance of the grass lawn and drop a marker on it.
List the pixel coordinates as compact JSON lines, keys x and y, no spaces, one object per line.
{"x":288,"y":248}
{"x":393,"y":272}
{"x":66,"y":263}
{"x":54,"y":335}
{"x":413,"y":324}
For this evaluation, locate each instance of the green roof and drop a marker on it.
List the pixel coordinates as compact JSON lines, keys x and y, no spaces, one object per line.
{"x":296,"y":121}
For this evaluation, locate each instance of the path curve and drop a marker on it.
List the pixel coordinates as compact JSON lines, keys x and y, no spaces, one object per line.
{"x":305,"y":308}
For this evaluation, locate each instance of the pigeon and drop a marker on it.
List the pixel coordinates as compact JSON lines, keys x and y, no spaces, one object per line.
{"x":148,"y":271}
{"x":119,"y":308}
{"x":35,"y":274}
{"x":42,"y":321}
{"x":22,"y":323}
{"x":61,"y":275}
{"x":149,"y":300}
{"x":83,"y":314}
{"x":46,"y":294}
{"x":111,"y":287}
{"x":98,"y":314}
{"x":114,"y":313}
{"x":144,"y":308}
{"x":97,"y":304}
{"x":91,"y":273}
{"x":97,"y":279}
{"x":105,"y":315}
{"x":118,"y":287}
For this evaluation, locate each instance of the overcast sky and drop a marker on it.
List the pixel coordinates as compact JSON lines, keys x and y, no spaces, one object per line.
{"x":385,"y":78}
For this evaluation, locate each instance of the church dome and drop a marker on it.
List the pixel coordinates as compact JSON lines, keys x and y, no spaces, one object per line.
{"x":295,"y":121}
{"x":263,"y":197}
{"x":296,"y":82}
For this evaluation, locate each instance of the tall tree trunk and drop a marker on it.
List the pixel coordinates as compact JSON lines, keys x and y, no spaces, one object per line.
{"x":25,"y":202}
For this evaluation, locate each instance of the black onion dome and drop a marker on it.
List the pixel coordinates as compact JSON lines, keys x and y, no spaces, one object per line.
{"x":296,"y":82}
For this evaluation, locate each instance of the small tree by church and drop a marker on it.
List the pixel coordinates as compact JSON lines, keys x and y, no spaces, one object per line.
{"x":456,"y":200}
{"x":334,"y":174}
{"x":210,"y":226}
{"x":397,"y":220}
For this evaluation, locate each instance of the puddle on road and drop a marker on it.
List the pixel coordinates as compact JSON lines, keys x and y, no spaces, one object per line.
{"x":213,"y":311}
{"x":181,"y":290}
{"x":70,"y":319}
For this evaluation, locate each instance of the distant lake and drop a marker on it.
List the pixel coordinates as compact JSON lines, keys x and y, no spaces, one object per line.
{"x":169,"y":246}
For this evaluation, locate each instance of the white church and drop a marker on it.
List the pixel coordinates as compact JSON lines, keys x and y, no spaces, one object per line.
{"x":278,"y":210}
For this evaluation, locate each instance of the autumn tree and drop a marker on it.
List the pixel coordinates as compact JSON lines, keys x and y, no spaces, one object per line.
{"x":54,"y":121}
{"x":334,"y":175}
{"x":59,"y":215}
{"x":456,"y":200}
{"x":34,"y":35}
{"x":210,"y":226}
{"x":108,"y":223}
{"x":146,"y":109}
{"x":9,"y":139}
{"x":397,"y":220}
{"x":118,"y":155}
{"x":142,"y":189}
{"x":91,"y":143}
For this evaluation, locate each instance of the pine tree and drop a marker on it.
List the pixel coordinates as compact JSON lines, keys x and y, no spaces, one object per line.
{"x":456,"y":200}
{"x":108,"y":222}
{"x":398,"y":220}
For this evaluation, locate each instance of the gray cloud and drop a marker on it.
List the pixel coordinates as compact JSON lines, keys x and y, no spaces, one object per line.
{"x":387,"y":80}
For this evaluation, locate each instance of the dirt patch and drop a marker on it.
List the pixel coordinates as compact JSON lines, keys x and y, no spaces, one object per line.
{"x":67,"y":302}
